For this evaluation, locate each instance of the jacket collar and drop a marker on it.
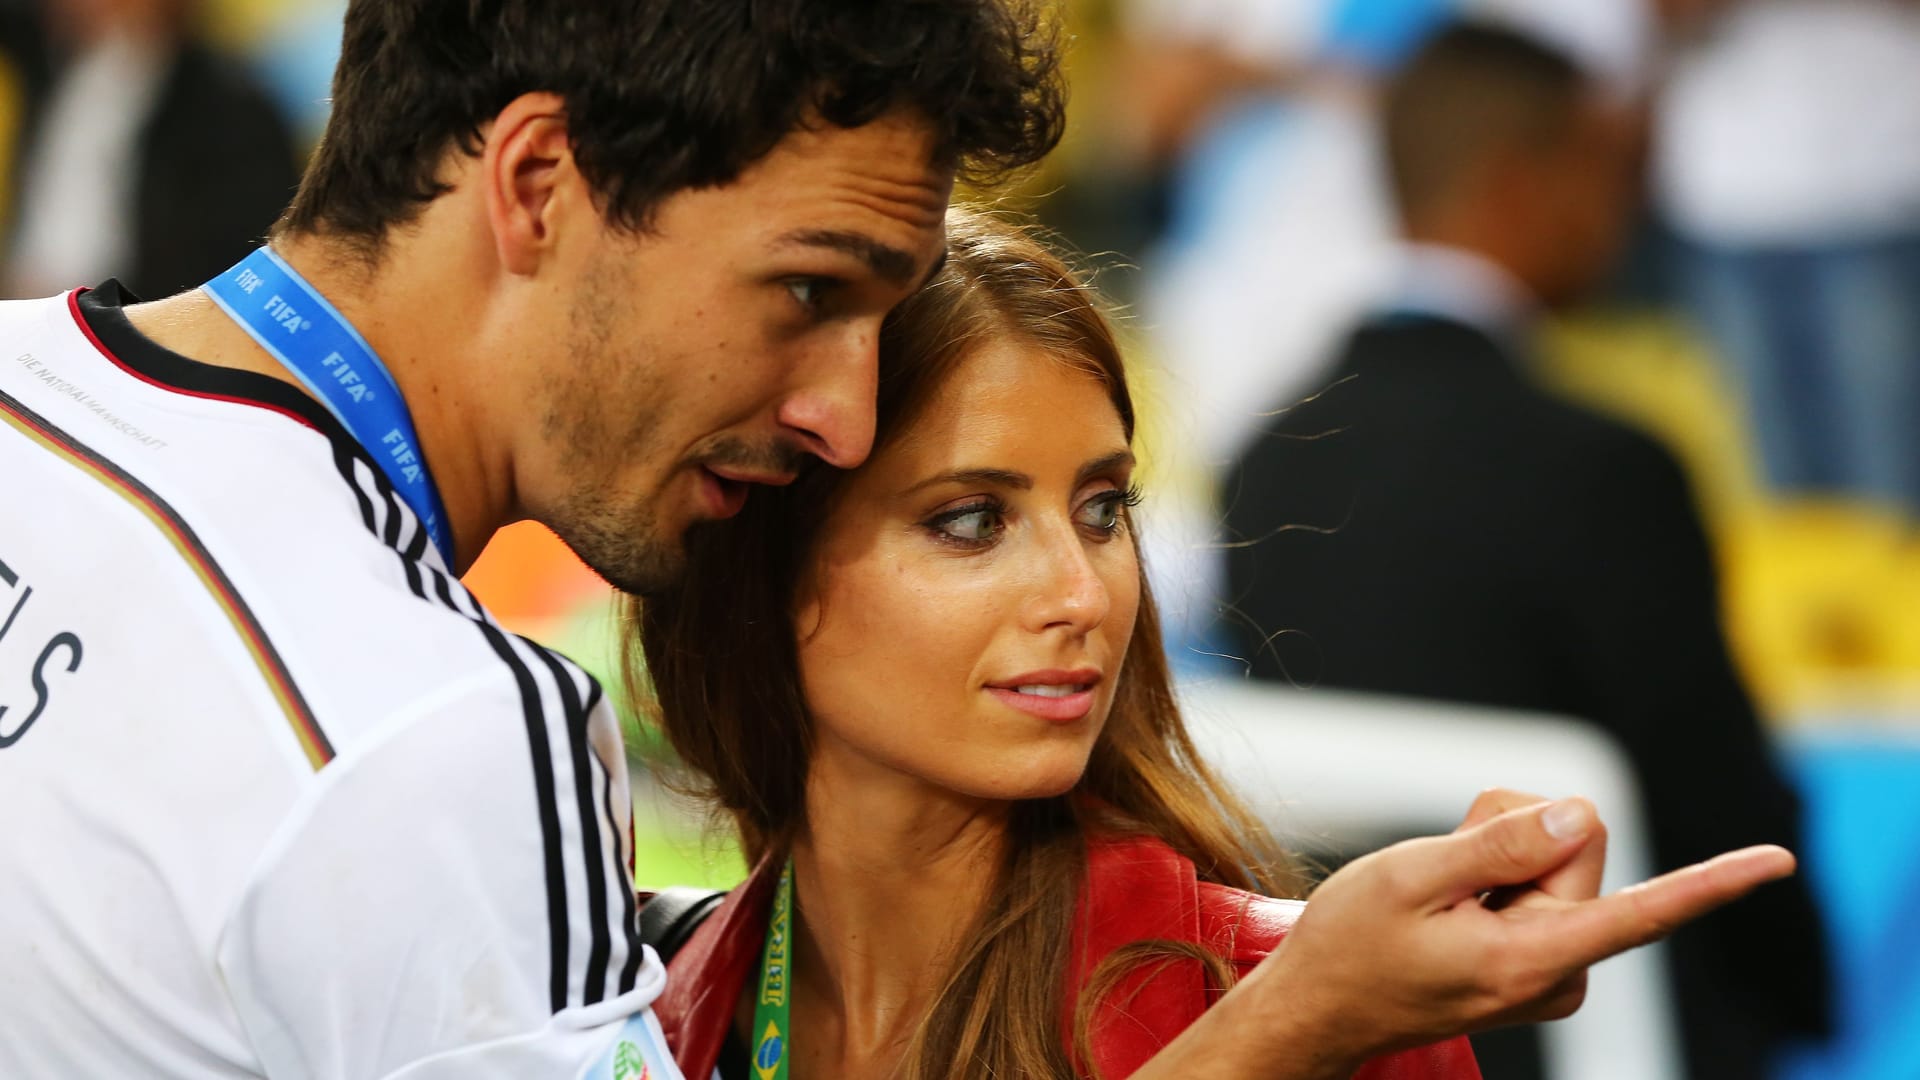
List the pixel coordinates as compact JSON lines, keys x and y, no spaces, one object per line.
{"x":1456,"y":285}
{"x":1136,"y":889}
{"x":706,"y":975}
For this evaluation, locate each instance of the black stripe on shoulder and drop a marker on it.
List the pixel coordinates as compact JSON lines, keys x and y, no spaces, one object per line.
{"x":390,"y":524}
{"x":416,"y":545}
{"x":544,"y":794}
{"x":534,"y":718}
{"x":630,"y":971}
{"x":416,"y":548}
{"x":443,"y":587}
{"x":379,"y":504}
{"x":343,"y":459}
{"x":622,"y":860}
{"x":546,"y":786}
{"x":594,"y":988}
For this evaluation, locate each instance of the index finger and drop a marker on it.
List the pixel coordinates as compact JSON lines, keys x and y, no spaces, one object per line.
{"x":1586,"y":933}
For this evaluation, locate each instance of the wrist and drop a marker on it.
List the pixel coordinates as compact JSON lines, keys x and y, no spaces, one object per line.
{"x":1289,"y":1025}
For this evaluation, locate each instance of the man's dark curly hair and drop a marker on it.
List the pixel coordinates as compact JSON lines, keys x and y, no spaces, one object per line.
{"x":665,"y":95}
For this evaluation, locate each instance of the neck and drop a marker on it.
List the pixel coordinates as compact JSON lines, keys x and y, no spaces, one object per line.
{"x":889,"y":876}
{"x":1469,"y":225}
{"x":416,"y":333}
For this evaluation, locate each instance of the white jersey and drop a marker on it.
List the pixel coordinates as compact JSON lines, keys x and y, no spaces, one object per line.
{"x":277,"y":797}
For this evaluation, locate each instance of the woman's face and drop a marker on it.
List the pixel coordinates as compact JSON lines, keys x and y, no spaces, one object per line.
{"x":973,"y":593}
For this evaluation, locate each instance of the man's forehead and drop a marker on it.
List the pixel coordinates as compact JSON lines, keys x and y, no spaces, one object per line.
{"x":888,"y":165}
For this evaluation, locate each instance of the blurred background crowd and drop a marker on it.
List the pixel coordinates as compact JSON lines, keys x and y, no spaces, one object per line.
{"x":1558,"y":358}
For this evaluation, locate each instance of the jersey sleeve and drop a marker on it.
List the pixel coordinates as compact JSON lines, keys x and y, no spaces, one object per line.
{"x":453,"y":897}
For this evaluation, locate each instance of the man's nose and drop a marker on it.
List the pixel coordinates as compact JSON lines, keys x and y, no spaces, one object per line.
{"x":831,"y":409}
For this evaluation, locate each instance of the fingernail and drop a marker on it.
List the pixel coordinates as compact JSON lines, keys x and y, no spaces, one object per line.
{"x":1567,"y":819}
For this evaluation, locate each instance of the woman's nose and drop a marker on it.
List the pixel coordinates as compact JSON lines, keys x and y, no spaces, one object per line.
{"x":1072,"y":595}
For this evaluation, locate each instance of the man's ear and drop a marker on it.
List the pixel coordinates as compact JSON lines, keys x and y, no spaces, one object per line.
{"x":529,"y":178}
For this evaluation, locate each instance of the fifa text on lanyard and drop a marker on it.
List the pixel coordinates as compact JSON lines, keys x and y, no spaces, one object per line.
{"x":291,"y":320}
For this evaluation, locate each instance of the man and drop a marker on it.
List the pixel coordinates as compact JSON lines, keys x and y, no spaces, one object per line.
{"x":300,"y":808}
{"x":281,"y":800}
{"x":1472,"y":538}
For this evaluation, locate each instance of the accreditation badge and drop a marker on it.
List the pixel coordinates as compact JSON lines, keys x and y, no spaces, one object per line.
{"x":639,"y":1052}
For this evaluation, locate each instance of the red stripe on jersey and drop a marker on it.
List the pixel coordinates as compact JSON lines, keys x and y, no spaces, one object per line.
{"x":80,"y":320}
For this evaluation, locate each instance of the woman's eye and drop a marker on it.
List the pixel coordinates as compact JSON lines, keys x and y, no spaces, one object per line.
{"x":1102,"y":514}
{"x":969,"y":524}
{"x":1106,"y":513}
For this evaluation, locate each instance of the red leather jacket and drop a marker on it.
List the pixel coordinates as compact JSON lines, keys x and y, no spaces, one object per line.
{"x":1138,"y":889}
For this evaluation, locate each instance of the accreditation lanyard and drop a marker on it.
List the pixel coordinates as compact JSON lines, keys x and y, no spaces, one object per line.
{"x":291,"y":320}
{"x":773,"y":1003}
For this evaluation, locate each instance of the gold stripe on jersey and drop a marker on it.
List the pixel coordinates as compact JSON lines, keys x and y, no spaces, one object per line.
{"x":306,"y":729}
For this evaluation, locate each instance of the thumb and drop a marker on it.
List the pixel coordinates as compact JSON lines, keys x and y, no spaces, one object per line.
{"x":1513,"y":848}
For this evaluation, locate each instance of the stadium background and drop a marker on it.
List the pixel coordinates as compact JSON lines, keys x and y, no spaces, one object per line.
{"x":1822,"y":595}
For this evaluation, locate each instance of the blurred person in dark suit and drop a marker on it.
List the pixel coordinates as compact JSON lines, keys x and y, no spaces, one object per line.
{"x":1431,"y":523}
{"x":144,"y":153}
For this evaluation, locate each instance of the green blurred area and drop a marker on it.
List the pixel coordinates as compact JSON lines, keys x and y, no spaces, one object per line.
{"x":671,"y":856}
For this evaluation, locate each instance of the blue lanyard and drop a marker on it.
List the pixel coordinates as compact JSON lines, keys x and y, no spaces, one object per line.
{"x":291,"y":320}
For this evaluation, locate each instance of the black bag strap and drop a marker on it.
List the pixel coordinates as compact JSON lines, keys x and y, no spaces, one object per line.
{"x":669,"y":917}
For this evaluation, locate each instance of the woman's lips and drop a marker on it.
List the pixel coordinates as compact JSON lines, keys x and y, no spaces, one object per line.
{"x":1058,"y":710}
{"x":1059,"y":697}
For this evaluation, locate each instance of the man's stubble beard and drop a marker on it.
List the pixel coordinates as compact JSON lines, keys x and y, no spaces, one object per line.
{"x":621,"y":543}
{"x":600,"y":415}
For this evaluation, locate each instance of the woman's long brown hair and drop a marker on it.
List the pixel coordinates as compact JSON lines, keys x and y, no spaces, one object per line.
{"x":719,"y":659}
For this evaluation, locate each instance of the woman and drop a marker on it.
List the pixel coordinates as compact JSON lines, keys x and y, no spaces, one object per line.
{"x":939,"y":698}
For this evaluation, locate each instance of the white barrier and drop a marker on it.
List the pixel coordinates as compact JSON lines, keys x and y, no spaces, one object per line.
{"x":1340,"y":768}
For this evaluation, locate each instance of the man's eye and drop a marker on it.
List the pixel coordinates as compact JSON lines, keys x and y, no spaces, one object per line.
{"x":808,"y":291}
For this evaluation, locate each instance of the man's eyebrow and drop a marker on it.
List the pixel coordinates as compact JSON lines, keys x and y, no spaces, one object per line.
{"x":1005,"y":478}
{"x":939,"y":264}
{"x":891,"y":264}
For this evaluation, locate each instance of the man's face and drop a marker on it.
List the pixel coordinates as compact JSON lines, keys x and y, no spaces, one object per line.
{"x":727,"y":343}
{"x":1588,"y":191}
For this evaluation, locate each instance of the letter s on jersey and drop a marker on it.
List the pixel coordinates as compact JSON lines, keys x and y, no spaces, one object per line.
{"x":65,"y":639}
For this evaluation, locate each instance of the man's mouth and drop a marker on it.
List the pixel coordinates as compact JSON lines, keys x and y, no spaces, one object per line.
{"x":723,"y":497}
{"x":735,"y":474}
{"x":729,"y":472}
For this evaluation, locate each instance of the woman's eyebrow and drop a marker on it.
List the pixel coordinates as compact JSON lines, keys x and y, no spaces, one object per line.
{"x":1119,"y":459}
{"x":1006,"y":478}
{"x":1019,"y":481}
